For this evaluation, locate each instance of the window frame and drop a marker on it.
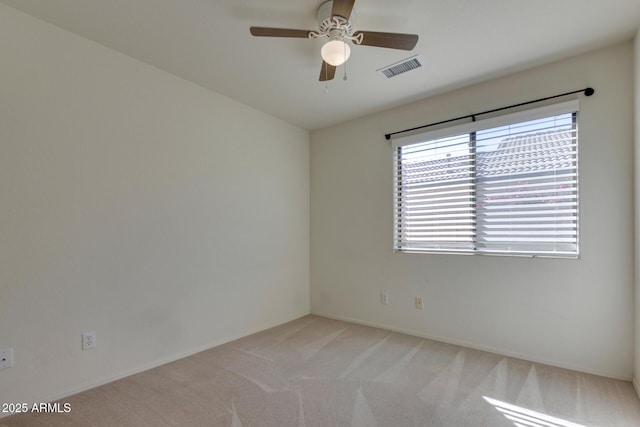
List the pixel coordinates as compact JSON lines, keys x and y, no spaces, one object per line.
{"x":471,"y":129}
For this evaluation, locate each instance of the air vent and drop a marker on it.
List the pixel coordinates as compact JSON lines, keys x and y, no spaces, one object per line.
{"x":401,"y":67}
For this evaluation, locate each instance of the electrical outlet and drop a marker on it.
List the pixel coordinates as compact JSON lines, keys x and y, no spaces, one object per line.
{"x":384,"y":298}
{"x":6,"y":358}
{"x":88,"y":340}
{"x":418,"y":303}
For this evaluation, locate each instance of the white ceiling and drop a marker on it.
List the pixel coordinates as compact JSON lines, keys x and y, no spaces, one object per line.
{"x":461,"y":42}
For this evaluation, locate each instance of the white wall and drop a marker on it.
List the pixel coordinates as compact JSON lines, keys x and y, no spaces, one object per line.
{"x":165,"y":217}
{"x":571,"y":313}
{"x":636,"y":74}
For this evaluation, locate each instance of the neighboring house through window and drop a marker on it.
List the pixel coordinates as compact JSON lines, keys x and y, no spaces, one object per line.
{"x":506,"y":185}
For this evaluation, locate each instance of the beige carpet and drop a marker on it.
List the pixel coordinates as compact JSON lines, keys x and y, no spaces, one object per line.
{"x":321,"y":372}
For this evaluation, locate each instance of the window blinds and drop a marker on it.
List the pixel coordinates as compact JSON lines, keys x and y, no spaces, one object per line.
{"x":506,"y":185}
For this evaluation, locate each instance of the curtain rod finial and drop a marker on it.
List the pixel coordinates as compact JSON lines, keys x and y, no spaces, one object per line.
{"x":387,"y":136}
{"x":589,"y":91}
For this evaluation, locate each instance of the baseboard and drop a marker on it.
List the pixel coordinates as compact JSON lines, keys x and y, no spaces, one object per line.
{"x":151,"y":365}
{"x":636,"y":386}
{"x":475,"y":346}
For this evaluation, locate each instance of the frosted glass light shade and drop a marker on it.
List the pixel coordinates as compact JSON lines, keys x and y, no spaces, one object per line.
{"x":335,"y":52}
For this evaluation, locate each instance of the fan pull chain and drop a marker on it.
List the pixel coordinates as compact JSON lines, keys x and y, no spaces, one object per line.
{"x":345,"y":62}
{"x":326,"y":83}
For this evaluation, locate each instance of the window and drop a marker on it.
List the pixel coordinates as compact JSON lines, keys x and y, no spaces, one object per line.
{"x":506,"y":185}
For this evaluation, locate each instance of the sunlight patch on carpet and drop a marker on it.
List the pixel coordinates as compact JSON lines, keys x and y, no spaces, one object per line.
{"x":523,"y":417}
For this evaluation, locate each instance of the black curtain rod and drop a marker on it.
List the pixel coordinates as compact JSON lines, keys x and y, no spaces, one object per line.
{"x":587,"y":91}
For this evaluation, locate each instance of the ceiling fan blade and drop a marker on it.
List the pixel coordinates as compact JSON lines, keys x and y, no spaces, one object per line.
{"x":342,"y":8}
{"x":279,"y":32}
{"x":389,"y":40}
{"x":327,"y":72}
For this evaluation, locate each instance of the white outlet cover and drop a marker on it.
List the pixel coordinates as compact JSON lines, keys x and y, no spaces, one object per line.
{"x":384,"y":298}
{"x":6,"y":358}
{"x":88,"y":340}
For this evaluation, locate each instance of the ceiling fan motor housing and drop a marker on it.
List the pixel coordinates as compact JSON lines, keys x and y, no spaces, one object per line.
{"x":330,"y":25}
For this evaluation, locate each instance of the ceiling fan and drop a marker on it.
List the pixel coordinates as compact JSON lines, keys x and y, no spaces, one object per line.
{"x":335,"y":23}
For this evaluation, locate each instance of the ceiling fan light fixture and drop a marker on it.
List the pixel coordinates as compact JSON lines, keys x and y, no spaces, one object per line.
{"x":335,"y":52}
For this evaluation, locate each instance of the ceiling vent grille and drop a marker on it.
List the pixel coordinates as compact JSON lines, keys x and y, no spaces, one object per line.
{"x":401,"y":67}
